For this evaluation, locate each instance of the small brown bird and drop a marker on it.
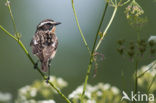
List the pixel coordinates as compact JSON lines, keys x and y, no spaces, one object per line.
{"x":44,"y":43}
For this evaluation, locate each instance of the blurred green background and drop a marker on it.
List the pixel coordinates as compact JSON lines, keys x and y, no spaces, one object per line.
{"x":72,"y":57}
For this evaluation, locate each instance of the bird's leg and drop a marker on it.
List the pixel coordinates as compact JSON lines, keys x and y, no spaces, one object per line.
{"x":36,"y":64}
{"x":49,"y":64}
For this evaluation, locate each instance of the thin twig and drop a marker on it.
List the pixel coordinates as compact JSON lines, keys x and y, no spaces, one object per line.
{"x":105,"y":31}
{"x":136,"y":77}
{"x":92,"y":53}
{"x":124,"y":3}
{"x":150,"y":85}
{"x":32,"y":61}
{"x":11,"y":15}
{"x":151,"y":67}
{"x":82,"y":35}
{"x":112,"y":3}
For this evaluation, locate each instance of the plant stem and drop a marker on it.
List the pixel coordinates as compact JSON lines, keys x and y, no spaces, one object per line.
{"x":150,"y":66}
{"x":11,"y":15}
{"x":82,"y":35}
{"x":8,"y":33}
{"x":136,"y":69}
{"x":105,"y":31}
{"x":136,"y":77}
{"x":32,"y":61}
{"x":151,"y":83}
{"x":92,"y":53}
{"x":124,"y":3}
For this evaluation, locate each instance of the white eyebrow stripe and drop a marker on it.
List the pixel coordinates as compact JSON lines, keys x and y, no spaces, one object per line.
{"x":45,"y":23}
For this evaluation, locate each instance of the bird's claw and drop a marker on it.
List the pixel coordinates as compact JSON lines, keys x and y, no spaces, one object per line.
{"x":35,"y":65}
{"x":47,"y":80}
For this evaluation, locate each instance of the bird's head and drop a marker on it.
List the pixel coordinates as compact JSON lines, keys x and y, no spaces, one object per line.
{"x":47,"y":24}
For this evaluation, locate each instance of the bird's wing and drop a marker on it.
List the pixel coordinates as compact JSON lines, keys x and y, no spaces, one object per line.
{"x":37,"y":42}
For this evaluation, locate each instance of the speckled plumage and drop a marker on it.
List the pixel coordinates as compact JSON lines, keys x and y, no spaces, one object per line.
{"x":44,"y":43}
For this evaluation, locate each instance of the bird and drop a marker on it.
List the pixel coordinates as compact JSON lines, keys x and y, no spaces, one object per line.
{"x":44,"y":44}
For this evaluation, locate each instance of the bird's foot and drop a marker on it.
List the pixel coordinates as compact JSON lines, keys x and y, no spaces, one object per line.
{"x":36,"y":65}
{"x":47,"y":80}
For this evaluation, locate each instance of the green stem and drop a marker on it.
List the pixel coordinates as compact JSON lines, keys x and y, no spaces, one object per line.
{"x":82,"y":35}
{"x":12,"y":18}
{"x":32,"y":61}
{"x":8,"y":33}
{"x":136,"y":69}
{"x":124,"y":3}
{"x":58,"y":91}
{"x":136,"y":77}
{"x":92,"y":53}
{"x":105,"y":31}
{"x":150,"y":85}
{"x":149,"y":68}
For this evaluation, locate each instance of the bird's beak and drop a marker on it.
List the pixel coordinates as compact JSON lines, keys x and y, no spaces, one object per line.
{"x":57,"y":23}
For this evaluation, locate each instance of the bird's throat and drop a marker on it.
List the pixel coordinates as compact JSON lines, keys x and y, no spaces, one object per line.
{"x":53,"y":29}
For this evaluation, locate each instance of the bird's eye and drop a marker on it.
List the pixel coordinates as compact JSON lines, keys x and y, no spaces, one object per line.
{"x":48,"y":23}
{"x":50,"y":26}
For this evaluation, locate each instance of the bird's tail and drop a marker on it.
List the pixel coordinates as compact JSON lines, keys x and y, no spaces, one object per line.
{"x":44,"y":66}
